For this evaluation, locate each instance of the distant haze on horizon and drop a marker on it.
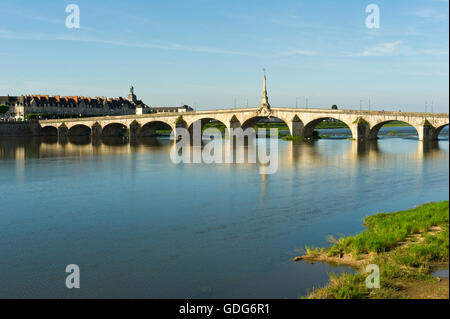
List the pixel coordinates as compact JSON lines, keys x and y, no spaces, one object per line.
{"x":211,"y":54}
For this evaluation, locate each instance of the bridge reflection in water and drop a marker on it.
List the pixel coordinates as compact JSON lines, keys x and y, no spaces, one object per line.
{"x":334,"y":160}
{"x":339,"y":153}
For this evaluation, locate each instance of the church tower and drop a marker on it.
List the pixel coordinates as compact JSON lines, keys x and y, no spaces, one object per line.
{"x":131,"y":96}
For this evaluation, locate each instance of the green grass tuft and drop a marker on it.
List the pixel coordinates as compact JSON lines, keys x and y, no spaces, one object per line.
{"x":404,"y":245}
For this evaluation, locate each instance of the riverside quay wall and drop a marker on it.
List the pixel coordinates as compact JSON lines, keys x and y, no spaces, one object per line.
{"x":19,"y":128}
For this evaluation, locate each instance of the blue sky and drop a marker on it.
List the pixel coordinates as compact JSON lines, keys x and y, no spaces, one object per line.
{"x":211,"y":53}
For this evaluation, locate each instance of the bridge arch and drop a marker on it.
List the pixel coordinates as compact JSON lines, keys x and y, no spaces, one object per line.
{"x":208,"y":121}
{"x":114,"y":130}
{"x":373,"y":134}
{"x":308,"y":130}
{"x":80,"y":130}
{"x":150,"y":129}
{"x":438,"y":131}
{"x":279,"y":123}
{"x":49,"y":130}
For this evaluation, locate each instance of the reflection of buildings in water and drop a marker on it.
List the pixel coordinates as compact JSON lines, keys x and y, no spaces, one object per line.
{"x":19,"y":148}
{"x":75,"y":146}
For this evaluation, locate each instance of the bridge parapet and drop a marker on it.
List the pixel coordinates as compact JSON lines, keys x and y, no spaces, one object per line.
{"x":361,"y":112}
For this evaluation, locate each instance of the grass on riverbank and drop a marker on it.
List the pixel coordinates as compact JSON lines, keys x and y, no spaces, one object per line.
{"x":289,"y":137}
{"x":405,"y":245}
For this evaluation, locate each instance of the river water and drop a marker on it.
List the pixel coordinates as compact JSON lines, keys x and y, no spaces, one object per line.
{"x":140,"y":226}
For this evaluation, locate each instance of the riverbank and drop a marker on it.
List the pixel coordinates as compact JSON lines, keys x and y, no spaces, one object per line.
{"x":406,"y":245}
{"x":26,"y":128}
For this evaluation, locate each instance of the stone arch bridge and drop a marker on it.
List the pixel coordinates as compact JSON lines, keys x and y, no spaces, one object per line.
{"x":301,"y":122}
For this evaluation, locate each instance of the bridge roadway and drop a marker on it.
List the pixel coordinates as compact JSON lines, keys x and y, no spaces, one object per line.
{"x":301,"y":122}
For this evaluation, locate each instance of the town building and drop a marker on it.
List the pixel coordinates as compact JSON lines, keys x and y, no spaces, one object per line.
{"x":45,"y":106}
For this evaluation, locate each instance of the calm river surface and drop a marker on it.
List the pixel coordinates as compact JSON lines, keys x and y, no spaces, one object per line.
{"x":140,"y":226}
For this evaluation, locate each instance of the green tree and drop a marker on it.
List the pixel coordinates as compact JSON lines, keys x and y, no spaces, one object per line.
{"x":180,"y":121}
{"x":334,"y":107}
{"x":4,"y":108}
